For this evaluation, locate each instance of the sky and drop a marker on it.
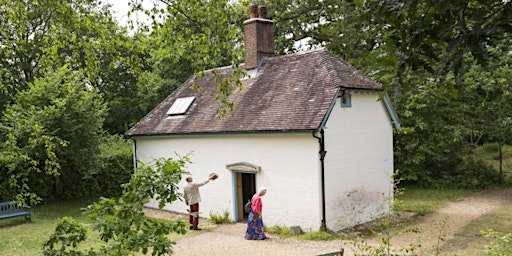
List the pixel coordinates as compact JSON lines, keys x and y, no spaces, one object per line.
{"x":120,"y":10}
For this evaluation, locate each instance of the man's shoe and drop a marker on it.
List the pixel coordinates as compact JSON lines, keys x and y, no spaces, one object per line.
{"x":191,"y":227}
{"x":197,"y":229}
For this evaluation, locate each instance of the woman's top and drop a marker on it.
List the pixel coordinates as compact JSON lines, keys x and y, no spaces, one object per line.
{"x":256,"y":204}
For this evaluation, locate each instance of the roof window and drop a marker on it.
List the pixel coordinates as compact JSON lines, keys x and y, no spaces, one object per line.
{"x":180,"y":106}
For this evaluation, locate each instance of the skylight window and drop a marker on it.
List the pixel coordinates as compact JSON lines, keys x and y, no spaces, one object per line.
{"x":180,"y":106}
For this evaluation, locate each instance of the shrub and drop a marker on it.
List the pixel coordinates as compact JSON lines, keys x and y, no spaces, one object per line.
{"x":115,"y":166}
{"x":470,"y":173}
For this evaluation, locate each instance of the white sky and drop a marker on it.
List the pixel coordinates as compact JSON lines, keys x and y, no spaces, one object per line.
{"x":120,"y":10}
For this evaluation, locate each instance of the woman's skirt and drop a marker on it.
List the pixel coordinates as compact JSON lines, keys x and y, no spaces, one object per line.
{"x":255,"y":227}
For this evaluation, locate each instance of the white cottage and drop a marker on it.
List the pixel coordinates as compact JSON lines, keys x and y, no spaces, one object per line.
{"x":312,"y":129}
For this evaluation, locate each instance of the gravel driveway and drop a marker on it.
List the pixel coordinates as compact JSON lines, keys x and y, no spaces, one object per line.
{"x":228,"y":239}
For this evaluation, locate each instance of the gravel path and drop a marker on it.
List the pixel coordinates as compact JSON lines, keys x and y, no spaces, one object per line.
{"x":448,"y":220}
{"x":229,"y":239}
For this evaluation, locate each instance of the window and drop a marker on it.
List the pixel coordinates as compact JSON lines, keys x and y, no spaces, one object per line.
{"x":180,"y":106}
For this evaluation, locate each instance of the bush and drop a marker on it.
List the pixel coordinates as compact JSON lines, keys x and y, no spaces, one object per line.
{"x":468,"y":174}
{"x":49,"y":138}
{"x":476,"y":174}
{"x":115,"y":166}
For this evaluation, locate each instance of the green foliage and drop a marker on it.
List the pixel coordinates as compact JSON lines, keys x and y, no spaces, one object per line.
{"x":283,"y":231}
{"x":476,"y":174}
{"x":491,"y":148}
{"x":425,"y":32}
{"x":50,"y":137}
{"x":319,"y":236}
{"x":121,"y":223}
{"x":114,"y":166}
{"x":220,"y":218}
{"x":279,"y":230}
{"x":470,"y":174}
{"x":431,"y":140}
{"x":501,"y":244}
{"x":343,"y":27}
{"x":68,"y":234}
{"x":40,"y":36}
{"x":205,"y":35}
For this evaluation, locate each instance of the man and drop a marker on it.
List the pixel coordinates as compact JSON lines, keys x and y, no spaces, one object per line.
{"x":192,"y":199}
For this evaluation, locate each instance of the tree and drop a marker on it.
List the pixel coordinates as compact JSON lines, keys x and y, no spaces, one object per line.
{"x":50,"y":136}
{"x":30,"y":39}
{"x":39,"y":36}
{"x":487,"y":91}
{"x":423,"y":32}
{"x":121,"y":222}
{"x":205,"y":35}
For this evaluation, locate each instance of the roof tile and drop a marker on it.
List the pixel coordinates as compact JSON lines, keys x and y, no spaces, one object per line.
{"x":289,"y":93}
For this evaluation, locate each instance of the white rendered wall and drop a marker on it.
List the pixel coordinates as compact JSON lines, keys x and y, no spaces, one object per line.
{"x":289,"y":166}
{"x":359,"y":162}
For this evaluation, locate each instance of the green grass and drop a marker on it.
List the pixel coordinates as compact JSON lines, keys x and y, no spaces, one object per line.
{"x":285,"y":232}
{"x":19,"y":237}
{"x":469,"y":241}
{"x":423,"y":201}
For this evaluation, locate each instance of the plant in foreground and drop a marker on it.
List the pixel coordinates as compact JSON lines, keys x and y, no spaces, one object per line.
{"x":122,"y":225}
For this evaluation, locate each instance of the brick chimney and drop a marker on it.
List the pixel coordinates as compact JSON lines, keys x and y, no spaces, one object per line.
{"x":258,"y":36}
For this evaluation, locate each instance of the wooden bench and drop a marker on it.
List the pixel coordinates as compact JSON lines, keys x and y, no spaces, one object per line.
{"x":14,"y":209}
{"x":339,"y":253}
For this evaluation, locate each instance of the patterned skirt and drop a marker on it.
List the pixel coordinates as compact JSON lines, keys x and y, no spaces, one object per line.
{"x":255,"y":227}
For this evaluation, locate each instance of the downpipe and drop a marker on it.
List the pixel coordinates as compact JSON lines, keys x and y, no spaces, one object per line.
{"x":322,"y":152}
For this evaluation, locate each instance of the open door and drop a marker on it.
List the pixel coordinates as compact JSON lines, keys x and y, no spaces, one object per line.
{"x":244,"y":181}
{"x":246,"y":187}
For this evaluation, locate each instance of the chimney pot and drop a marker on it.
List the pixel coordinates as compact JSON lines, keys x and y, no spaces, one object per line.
{"x":253,"y":11}
{"x":258,"y":36}
{"x":262,"y":11}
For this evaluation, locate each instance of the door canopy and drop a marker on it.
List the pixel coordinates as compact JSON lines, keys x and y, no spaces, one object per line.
{"x":243,"y":167}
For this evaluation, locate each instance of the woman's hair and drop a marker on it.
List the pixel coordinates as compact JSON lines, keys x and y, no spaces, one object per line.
{"x":262,"y":189}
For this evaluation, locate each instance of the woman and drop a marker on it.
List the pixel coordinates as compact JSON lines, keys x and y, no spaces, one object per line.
{"x":255,"y":223}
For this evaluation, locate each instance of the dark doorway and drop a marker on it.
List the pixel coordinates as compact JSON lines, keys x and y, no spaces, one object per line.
{"x":246,"y":187}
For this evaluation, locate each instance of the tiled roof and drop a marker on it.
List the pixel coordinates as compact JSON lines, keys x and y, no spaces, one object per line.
{"x":289,"y":93}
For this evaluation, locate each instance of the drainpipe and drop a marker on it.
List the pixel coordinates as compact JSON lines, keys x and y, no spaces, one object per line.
{"x":134,"y":149}
{"x":322,"y":152}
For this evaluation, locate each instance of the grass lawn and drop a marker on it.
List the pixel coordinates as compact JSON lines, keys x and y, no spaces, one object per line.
{"x":423,"y":201}
{"x":470,"y":241}
{"x":19,"y":237}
